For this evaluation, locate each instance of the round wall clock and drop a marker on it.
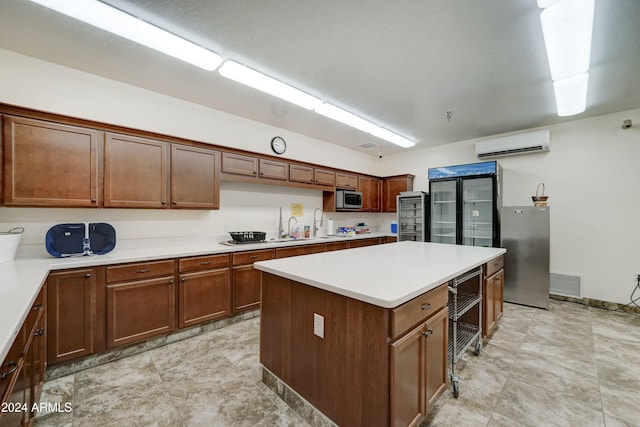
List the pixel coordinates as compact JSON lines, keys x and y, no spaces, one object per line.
{"x":278,"y":145}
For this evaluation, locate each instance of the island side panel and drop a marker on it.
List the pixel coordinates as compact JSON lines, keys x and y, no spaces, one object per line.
{"x":346,"y":374}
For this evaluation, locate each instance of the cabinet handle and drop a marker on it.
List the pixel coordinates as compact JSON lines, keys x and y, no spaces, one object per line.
{"x":427,"y":332}
{"x":253,"y":256}
{"x":184,"y":279}
{"x":13,"y":367}
{"x":39,"y":332}
{"x":37,"y":307}
{"x":171,"y":282}
{"x":426,"y":306}
{"x":163,"y":202}
{"x":175,"y":203}
{"x":94,"y":200}
{"x":205,"y":262}
{"x":145,"y":270}
{"x":87,"y":275}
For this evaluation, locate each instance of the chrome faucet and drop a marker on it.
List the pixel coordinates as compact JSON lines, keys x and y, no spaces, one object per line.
{"x":315,"y":221}
{"x":289,"y":227}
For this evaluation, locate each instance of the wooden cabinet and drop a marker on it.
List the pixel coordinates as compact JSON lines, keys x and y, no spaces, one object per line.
{"x":393,"y":186}
{"x":140,"y":301}
{"x":346,"y":181}
{"x":299,"y":173}
{"x":238,"y":164}
{"x":335,"y":246}
{"x":299,"y":250}
{"x":204,"y":289}
{"x":245,"y":291}
{"x":75,"y":314}
{"x":273,"y":169}
{"x":492,"y":294}
{"x":136,"y":172}
{"x":370,"y":189}
{"x":418,"y":370}
{"x":389,"y":239}
{"x":49,"y":164}
{"x":324,"y":177}
{"x":22,"y":371}
{"x":363,"y":242}
{"x":194,"y":177}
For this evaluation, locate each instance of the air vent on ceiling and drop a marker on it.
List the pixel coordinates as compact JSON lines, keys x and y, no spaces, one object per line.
{"x":522,"y":143}
{"x":368,"y":145}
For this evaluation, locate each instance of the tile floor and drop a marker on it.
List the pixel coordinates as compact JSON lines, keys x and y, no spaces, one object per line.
{"x":570,"y":366}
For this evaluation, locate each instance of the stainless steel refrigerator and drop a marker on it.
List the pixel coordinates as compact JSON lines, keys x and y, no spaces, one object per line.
{"x":465,"y":202}
{"x":524,"y":232}
{"x":413,"y":216}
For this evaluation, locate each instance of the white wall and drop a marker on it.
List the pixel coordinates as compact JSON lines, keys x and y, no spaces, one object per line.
{"x":36,"y":84}
{"x":592,"y":178}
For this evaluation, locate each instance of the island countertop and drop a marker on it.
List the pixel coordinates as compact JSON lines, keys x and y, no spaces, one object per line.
{"x":384,"y":275}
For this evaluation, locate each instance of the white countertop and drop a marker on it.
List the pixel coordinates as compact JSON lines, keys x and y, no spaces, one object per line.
{"x":384,"y":275}
{"x":21,"y":280}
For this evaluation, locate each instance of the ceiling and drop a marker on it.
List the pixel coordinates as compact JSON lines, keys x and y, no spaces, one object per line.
{"x":401,"y":65}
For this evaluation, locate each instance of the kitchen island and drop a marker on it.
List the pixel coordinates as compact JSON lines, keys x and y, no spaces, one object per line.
{"x":361,"y":335}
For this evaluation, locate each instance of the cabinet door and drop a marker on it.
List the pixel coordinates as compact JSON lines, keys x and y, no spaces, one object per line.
{"x":360,"y":243}
{"x":346,"y":181}
{"x":204,"y":296}
{"x":274,"y":170}
{"x":194,"y":178}
{"x":393,"y":186}
{"x":408,"y":403}
{"x":238,"y":164}
{"x":370,"y":189}
{"x":246,"y":288}
{"x":15,"y":398}
{"x":136,"y":172}
{"x":298,"y":173}
{"x":324,"y":177}
{"x":71,"y":314}
{"x":498,"y":295}
{"x":139,"y":310}
{"x":436,"y":353}
{"x":488,"y":306}
{"x":299,"y":250}
{"x":49,"y":164}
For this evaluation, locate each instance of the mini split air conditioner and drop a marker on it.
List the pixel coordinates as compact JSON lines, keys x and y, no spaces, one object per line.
{"x":522,"y":143}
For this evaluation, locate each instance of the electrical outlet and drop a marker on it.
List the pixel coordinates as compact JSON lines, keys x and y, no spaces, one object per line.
{"x":318,"y":325}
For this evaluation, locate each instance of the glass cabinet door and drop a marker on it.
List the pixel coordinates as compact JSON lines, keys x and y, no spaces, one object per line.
{"x":443,"y":211}
{"x":477,"y":212}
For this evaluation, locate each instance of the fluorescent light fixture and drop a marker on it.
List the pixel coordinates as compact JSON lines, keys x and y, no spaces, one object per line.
{"x":567,"y":26}
{"x":124,"y":25}
{"x":343,"y":116}
{"x":571,"y":94}
{"x":238,"y":72}
{"x":392,"y":137}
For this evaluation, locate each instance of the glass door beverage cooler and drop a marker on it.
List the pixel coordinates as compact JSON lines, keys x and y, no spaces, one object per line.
{"x":465,"y":201}
{"x":413,"y":216}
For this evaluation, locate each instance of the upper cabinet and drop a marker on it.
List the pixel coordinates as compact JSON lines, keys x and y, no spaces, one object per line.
{"x":194,"y":177}
{"x":346,"y":181}
{"x":136,"y":172}
{"x":49,"y":164}
{"x":393,"y":186}
{"x":299,"y":173}
{"x":370,"y":189}
{"x":238,"y":164}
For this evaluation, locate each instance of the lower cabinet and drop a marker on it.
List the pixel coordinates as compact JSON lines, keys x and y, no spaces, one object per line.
{"x":75,"y":314}
{"x":22,"y":371}
{"x":492,"y":294}
{"x":204,"y":289}
{"x":418,"y":370}
{"x":143,"y":308}
{"x":246,"y":280}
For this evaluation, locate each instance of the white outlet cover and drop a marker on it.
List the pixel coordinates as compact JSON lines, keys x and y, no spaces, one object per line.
{"x":318,"y":325}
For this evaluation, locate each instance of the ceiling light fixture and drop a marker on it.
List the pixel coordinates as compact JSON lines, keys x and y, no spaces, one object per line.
{"x":567,"y":27}
{"x":247,"y":76}
{"x":392,"y":137}
{"x":343,"y":116}
{"x":124,"y":25}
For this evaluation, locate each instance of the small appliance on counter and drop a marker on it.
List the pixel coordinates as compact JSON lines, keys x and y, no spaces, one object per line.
{"x":80,"y":239}
{"x":9,"y":242}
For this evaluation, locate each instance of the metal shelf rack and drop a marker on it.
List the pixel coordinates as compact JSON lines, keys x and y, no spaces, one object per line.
{"x":461,"y":334}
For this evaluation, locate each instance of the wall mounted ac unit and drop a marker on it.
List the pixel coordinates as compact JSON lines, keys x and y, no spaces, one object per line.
{"x":522,"y":143}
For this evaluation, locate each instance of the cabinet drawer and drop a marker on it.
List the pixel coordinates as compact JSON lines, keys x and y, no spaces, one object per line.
{"x":240,"y":258}
{"x":140,"y":270}
{"x":494,"y":265}
{"x":203,"y":262}
{"x":299,"y":250}
{"x":418,"y":309}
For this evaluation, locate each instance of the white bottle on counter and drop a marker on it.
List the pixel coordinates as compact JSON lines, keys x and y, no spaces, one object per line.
{"x":330,"y":229}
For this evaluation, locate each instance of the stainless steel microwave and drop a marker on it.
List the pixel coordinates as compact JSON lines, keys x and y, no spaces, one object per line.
{"x":348,"y":199}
